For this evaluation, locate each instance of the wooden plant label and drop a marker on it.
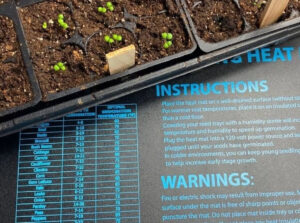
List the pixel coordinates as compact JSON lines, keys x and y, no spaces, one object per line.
{"x":120,"y":60}
{"x":272,"y":12}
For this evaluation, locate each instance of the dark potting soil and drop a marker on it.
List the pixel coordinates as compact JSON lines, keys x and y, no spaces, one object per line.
{"x":152,"y":17}
{"x":218,"y":20}
{"x":15,"y":88}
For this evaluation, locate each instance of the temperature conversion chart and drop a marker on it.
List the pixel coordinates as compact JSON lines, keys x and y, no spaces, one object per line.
{"x":83,"y":167}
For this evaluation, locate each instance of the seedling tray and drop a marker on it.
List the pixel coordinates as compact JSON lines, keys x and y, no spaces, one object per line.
{"x":8,"y":10}
{"x":210,"y":46}
{"x":132,"y":82}
{"x":112,"y":78}
{"x":139,"y":82}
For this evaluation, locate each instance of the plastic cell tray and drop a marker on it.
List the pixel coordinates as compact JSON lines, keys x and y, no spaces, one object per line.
{"x":127,"y":82}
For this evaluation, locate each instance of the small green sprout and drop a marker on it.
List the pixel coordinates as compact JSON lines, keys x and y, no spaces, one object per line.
{"x":110,"y":6}
{"x":63,"y":68}
{"x":120,"y":38}
{"x":102,"y":9}
{"x":168,"y":37}
{"x":108,"y":39}
{"x":61,"y":16}
{"x":59,"y":66}
{"x":56,"y":67}
{"x":168,"y":44}
{"x":65,"y":26}
{"x":117,"y":37}
{"x":61,"y":21}
{"x":164,"y":35}
{"x":45,"y":25}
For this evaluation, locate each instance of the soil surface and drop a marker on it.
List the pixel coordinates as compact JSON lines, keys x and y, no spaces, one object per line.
{"x":152,"y":17}
{"x":15,"y":88}
{"x":218,"y":20}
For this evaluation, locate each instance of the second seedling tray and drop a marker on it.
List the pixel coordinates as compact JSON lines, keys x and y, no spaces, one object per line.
{"x":212,"y":46}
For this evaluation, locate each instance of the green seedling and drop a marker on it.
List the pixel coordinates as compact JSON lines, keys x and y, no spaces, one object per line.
{"x":62,"y":22}
{"x":168,"y":44}
{"x":59,"y":66}
{"x":111,"y":41}
{"x":45,"y":25}
{"x":102,"y":10}
{"x":168,"y":37}
{"x":110,"y":6}
{"x":56,"y":67}
{"x":117,"y":37}
{"x":164,"y":35}
{"x":108,"y":39}
{"x":63,"y":68}
{"x":61,"y":16}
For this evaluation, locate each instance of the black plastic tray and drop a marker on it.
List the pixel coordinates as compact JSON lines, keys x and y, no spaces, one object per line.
{"x":136,"y":69}
{"x":142,"y":81}
{"x":209,"y":47}
{"x":9,"y":10}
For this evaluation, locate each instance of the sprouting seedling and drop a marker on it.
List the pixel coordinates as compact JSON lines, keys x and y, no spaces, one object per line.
{"x":168,"y":44}
{"x":110,"y":6}
{"x":117,"y":37}
{"x":45,"y":25}
{"x":102,"y":9}
{"x":108,"y":39}
{"x":62,"y":22}
{"x":164,"y":35}
{"x":59,"y":66}
{"x":168,"y":37}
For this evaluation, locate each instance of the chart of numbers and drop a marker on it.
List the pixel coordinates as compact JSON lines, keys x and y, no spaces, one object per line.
{"x":83,"y":167}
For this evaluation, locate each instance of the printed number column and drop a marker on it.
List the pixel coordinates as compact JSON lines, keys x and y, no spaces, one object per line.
{"x":39,"y":173}
{"x":78,"y":189}
{"x":117,"y":166}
